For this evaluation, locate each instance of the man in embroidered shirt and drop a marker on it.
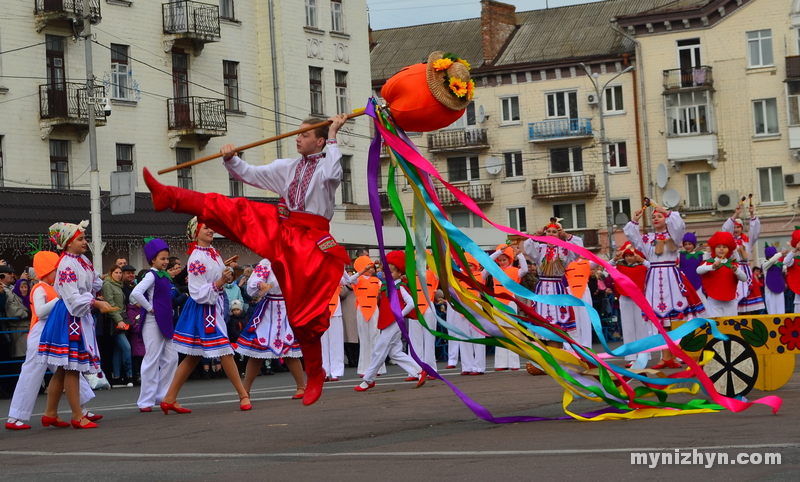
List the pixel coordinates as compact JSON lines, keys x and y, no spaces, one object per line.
{"x":305,"y":258}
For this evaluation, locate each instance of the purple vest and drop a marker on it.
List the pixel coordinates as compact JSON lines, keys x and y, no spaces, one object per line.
{"x":162,"y":305}
{"x":774,"y":279}
{"x":689,"y":264}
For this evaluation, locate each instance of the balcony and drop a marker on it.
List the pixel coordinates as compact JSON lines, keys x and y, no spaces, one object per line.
{"x":457,"y":140}
{"x":793,"y":67}
{"x":560,"y":129}
{"x":62,"y":12}
{"x":196,"y":116}
{"x":384,"y":197}
{"x":190,"y":22}
{"x":685,"y":207}
{"x":692,"y":78}
{"x":564,"y":187}
{"x":67,"y":105}
{"x":591,"y":237}
{"x":480,"y":193}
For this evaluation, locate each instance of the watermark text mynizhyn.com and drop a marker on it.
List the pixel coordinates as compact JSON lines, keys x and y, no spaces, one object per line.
{"x":706,"y":459}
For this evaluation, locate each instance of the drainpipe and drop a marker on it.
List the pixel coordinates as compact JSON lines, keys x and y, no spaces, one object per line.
{"x":275,"y":86}
{"x":626,"y":58}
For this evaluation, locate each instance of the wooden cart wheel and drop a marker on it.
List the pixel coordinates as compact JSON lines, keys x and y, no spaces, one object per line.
{"x":734,"y":368}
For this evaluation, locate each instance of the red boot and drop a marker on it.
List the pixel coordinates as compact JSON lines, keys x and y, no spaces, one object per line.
{"x":177,"y":199}
{"x":312,"y":359}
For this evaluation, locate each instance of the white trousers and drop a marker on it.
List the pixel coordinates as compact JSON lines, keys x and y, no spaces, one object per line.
{"x":333,"y":348}
{"x":390,"y":344}
{"x":158,"y":366}
{"x":367,"y":339}
{"x":473,"y":356}
{"x":503,"y":357}
{"x":634,"y":326}
{"x":30,"y":379}
{"x":775,"y":302}
{"x":583,"y":323}
{"x":423,"y":341}
{"x":716,"y":308}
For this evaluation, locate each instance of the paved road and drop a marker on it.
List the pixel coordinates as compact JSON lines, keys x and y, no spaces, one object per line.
{"x":392,"y":432}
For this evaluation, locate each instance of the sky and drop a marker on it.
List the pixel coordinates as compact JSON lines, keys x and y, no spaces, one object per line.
{"x":403,"y":13}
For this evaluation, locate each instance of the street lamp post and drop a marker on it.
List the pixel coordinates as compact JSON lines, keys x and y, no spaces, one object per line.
{"x":604,"y":149}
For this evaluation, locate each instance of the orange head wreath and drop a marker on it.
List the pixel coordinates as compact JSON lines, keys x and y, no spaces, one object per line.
{"x":554,"y":223}
{"x":722,"y":237}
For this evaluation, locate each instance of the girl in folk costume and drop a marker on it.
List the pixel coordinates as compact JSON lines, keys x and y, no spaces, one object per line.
{"x":154,"y":294}
{"x":473,"y":355}
{"x":366,"y":286}
{"x":689,"y":260}
{"x":774,"y":284}
{"x":43,"y":298}
{"x":665,"y":288}
{"x":68,"y":339}
{"x":504,"y":358}
{"x":423,"y":341}
{"x":201,"y":330}
{"x":551,"y":263}
{"x":747,"y":299}
{"x":333,"y":338}
{"x":793,"y":269}
{"x":268,"y":334}
{"x":390,"y":340}
{"x":721,"y":275}
{"x":632,"y":264}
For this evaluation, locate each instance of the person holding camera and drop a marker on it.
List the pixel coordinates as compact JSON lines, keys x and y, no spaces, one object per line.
{"x":118,"y":324}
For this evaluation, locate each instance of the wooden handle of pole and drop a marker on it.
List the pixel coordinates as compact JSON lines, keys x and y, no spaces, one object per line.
{"x":258,"y":143}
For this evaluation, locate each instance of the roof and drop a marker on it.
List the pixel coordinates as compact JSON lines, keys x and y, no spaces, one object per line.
{"x":676,"y":5}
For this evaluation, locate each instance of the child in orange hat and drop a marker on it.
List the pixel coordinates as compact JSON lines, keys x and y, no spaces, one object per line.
{"x":632,"y":264}
{"x":505,"y":359}
{"x":721,"y":276}
{"x":366,"y":286}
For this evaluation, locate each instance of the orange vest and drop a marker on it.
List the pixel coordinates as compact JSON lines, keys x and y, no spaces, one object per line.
{"x":335,"y":300}
{"x":479,"y":278}
{"x":432,"y":283}
{"x":512,"y":273}
{"x":578,"y":273}
{"x":50,"y":295}
{"x":367,"y":295}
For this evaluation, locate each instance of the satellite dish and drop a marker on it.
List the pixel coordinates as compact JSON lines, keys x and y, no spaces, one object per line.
{"x":620,"y":219}
{"x":481,"y":115}
{"x":671,"y":198}
{"x":662,"y":176}
{"x":494,"y":165}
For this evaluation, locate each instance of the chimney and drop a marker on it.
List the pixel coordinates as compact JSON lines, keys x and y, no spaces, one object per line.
{"x":498,"y":20}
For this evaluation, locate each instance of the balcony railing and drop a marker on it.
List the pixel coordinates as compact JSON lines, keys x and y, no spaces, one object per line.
{"x":68,"y":101}
{"x":559,"y":129}
{"x":458,"y":139}
{"x":66,"y":7}
{"x":675,"y":79}
{"x":192,"y":18}
{"x":793,"y":67}
{"x":562,"y":187}
{"x":384,"y":197}
{"x":591,"y":238}
{"x":480,"y":193}
{"x":686,"y":208}
{"x":197,"y":113}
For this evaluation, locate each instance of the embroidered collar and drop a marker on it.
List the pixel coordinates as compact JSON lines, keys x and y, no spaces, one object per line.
{"x":314,"y":157}
{"x":210,"y":250}
{"x":86,"y":265}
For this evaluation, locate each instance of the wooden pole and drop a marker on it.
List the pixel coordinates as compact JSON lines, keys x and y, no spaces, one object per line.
{"x":258,"y":143}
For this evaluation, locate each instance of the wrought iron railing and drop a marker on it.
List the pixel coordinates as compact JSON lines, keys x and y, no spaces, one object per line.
{"x":183,"y":16}
{"x":564,"y":186}
{"x":197,"y":113}
{"x":591,"y":237}
{"x":68,"y":100}
{"x":686,"y":78}
{"x":559,"y":128}
{"x":687,"y":208}
{"x":793,"y":67}
{"x":480,"y":193}
{"x":66,"y":6}
{"x":456,"y":139}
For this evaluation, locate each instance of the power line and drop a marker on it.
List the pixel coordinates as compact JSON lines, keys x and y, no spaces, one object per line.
{"x":22,"y":48}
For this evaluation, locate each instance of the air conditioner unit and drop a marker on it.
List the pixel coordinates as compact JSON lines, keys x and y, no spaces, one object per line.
{"x":727,"y":200}
{"x":792,"y":179}
{"x":591,"y":98}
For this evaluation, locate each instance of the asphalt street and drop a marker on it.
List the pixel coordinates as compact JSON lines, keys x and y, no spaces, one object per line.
{"x":394,"y":432}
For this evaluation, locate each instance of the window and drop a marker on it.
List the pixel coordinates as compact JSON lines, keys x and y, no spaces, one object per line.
{"x":688,"y":113}
{"x":466,"y":120}
{"x":517,"y":220}
{"x":759,"y":48}
{"x":513,"y":164}
{"x":226,"y":9}
{"x":573,"y":215}
{"x":465,"y":219}
{"x":315,"y":85}
{"x":463,"y":169}
{"x":566,"y":160}
{"x":621,"y":206}
{"x":59,"y":165}
{"x":347,"y":180}
{"x":563,"y":104}
{"x":770,"y":183}
{"x":230,"y":77}
{"x":765,"y":116}
{"x":699,"y":187}
{"x":337,"y":16}
{"x":793,"y":94}
{"x":509,"y":107}
{"x":182,"y":155}
{"x":311,"y":13}
{"x":689,"y":54}
{"x":119,"y":72}
{"x":341,"y":92}
{"x":614,"y":100}
{"x":618,"y":155}
{"x":124,"y":157}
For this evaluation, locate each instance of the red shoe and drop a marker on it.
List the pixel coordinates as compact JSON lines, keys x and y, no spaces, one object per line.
{"x":246,"y":406}
{"x":475,"y":373}
{"x":412,"y":379}
{"x":359,"y":389}
{"x":146,"y":409}
{"x":93,"y":416}
{"x":451,"y":366}
{"x":514,"y":369}
{"x":334,"y":379}
{"x":298,"y":396}
{"x":166,"y":407}
{"x":464,"y":374}
{"x":423,"y":377}
{"x":80,"y":424}
{"x":315,"y":375}
{"x":673,"y":363}
{"x":19,"y":425}
{"x":362,"y":375}
{"x":629,"y":365}
{"x":54,"y":421}
{"x":500,"y":369}
{"x":660,"y":365}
